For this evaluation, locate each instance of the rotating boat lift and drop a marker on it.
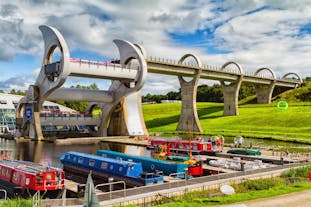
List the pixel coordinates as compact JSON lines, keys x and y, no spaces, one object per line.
{"x":128,"y":78}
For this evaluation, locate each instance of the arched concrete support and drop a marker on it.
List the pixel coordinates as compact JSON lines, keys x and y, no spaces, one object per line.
{"x":264,"y":92}
{"x":127,"y":117}
{"x":130,"y":56}
{"x":49,"y":80}
{"x":188,"y":120}
{"x":231,"y":92}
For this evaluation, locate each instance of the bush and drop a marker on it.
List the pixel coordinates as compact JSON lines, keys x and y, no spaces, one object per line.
{"x":19,"y":202}
{"x":301,"y":172}
{"x":261,"y":184}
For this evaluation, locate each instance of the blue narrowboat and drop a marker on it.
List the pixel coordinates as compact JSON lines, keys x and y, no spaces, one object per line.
{"x":80,"y":164}
{"x":148,"y":164}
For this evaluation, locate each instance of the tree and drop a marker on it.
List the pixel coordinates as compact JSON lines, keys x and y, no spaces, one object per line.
{"x":18,"y":92}
{"x":79,"y":105}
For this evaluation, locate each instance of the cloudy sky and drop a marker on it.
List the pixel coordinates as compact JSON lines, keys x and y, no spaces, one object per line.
{"x":254,"y":33}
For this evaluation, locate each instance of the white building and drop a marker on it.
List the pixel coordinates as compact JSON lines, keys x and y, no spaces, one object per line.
{"x":8,"y":104}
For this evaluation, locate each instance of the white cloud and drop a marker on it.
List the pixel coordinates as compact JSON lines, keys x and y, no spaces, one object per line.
{"x":256,"y":33}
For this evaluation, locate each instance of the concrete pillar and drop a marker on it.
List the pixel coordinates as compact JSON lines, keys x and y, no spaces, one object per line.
{"x":188,"y":120}
{"x":127,"y":118}
{"x":264,"y":93}
{"x":29,"y":124}
{"x":231,"y":97}
{"x":231,"y":91}
{"x":117,"y":126}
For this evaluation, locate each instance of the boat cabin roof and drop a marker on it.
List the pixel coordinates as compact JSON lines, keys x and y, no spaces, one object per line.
{"x":100,"y":158}
{"x":29,"y":167}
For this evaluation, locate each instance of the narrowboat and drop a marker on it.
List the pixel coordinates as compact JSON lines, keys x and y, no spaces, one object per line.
{"x":78,"y":165}
{"x":148,"y":164}
{"x":23,"y":178}
{"x":197,"y":146}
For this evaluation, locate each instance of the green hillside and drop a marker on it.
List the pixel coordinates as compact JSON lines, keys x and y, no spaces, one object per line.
{"x":296,"y":95}
{"x":255,"y":120}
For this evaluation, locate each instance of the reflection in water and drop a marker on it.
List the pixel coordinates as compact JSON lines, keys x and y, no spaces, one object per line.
{"x":50,"y":153}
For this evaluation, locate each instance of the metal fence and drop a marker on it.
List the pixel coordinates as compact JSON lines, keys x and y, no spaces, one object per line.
{"x":152,"y":194}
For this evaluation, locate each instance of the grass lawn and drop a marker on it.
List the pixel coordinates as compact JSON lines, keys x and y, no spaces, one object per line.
{"x":201,"y":202}
{"x":255,"y":120}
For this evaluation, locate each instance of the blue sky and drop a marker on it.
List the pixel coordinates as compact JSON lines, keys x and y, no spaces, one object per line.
{"x":254,"y":33}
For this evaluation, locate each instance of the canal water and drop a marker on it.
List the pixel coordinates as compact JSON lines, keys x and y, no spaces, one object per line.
{"x":50,"y":153}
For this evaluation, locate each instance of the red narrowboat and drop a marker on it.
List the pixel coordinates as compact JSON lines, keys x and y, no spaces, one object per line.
{"x":197,"y":146}
{"x":23,"y":178}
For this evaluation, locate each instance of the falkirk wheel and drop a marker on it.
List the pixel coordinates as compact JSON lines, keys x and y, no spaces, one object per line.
{"x":128,"y":78}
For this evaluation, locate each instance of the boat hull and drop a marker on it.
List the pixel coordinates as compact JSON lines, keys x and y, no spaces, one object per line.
{"x":79,"y":174}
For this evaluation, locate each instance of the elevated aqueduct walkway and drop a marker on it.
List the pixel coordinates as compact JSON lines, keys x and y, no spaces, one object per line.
{"x":121,"y":112}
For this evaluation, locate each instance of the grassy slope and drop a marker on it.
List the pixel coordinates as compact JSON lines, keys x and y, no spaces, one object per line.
{"x":254,"y":120}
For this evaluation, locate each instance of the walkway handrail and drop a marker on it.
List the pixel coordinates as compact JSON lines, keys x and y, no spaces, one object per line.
{"x":5,"y":193}
{"x":110,"y":186}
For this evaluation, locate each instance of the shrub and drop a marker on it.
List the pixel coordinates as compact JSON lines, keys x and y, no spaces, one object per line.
{"x":301,"y":172}
{"x":261,"y":184}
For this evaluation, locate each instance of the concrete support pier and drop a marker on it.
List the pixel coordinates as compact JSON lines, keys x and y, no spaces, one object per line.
{"x":231,"y":92}
{"x":264,"y":93}
{"x":188,"y":120}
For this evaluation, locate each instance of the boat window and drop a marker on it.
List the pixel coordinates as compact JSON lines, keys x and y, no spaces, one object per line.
{"x":23,"y":180}
{"x":49,"y":179}
{"x":80,"y":160}
{"x":3,"y":171}
{"x":15,"y":178}
{"x":195,"y":147}
{"x":104,"y":165}
{"x":91,"y":163}
{"x":111,"y":167}
{"x":181,"y":146}
{"x":57,"y":178}
{"x":68,"y":157}
{"x":39,"y":180}
{"x":8,"y":173}
{"x":120,"y":169}
{"x":27,"y":181}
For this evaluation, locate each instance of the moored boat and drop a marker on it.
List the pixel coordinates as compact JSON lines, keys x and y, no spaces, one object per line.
{"x":78,"y":165}
{"x":197,"y":146}
{"x":148,"y":164}
{"x":23,"y":178}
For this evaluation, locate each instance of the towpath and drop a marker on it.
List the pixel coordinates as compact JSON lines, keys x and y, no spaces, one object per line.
{"x":298,"y":199}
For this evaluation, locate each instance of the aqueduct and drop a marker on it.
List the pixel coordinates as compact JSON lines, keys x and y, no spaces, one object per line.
{"x":121,"y":112}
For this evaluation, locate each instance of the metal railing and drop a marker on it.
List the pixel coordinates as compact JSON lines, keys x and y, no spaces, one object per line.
{"x":36,"y":199}
{"x":181,"y":186}
{"x":5,"y":193}
{"x":110,"y":187}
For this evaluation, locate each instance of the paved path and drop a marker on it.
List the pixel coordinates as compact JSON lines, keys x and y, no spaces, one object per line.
{"x":298,"y":199}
